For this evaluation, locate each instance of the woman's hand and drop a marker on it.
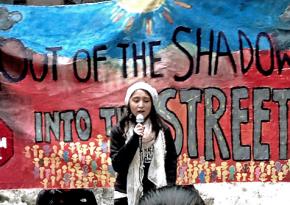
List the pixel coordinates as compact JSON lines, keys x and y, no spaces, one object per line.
{"x":139,"y":129}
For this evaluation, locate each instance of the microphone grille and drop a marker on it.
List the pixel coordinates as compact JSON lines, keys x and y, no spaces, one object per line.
{"x":139,"y":118}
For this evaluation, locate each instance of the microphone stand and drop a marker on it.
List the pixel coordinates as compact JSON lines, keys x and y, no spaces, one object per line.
{"x":140,"y":119}
{"x":141,"y":159}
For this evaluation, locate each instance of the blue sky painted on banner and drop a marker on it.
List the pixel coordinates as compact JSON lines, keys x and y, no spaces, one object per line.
{"x":84,"y":26}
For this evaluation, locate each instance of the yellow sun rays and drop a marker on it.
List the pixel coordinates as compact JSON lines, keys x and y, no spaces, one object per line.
{"x":182,"y":4}
{"x":145,"y":6}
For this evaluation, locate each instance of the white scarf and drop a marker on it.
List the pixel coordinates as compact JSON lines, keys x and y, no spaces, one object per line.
{"x":156,"y":172}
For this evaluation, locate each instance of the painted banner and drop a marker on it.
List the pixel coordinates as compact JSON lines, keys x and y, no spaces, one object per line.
{"x":221,"y":69}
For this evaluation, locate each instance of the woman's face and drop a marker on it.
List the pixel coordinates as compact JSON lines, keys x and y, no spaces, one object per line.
{"x":140,"y":103}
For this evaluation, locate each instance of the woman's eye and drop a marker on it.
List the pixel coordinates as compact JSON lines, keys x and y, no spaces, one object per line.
{"x":146,"y":100}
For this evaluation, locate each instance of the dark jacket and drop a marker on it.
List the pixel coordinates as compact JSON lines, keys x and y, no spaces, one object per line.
{"x":122,"y":154}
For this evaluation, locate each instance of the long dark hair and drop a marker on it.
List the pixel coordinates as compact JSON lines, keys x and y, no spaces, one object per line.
{"x":157,"y":123}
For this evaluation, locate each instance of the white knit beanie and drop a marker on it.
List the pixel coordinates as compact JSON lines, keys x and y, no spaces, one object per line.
{"x":143,"y":86}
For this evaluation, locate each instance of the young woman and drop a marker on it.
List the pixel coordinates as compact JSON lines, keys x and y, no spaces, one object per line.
{"x":143,"y":154}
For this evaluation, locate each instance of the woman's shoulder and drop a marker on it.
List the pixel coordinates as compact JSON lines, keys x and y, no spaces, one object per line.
{"x":166,"y":131}
{"x":116,"y":130}
{"x":164,"y":127}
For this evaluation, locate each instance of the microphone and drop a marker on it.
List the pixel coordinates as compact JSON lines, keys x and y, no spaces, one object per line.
{"x":140,"y":119}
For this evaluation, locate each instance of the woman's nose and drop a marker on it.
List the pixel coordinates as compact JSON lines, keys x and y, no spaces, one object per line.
{"x":141,"y":104}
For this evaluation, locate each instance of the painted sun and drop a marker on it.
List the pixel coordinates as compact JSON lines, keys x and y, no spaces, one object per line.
{"x":126,"y":7}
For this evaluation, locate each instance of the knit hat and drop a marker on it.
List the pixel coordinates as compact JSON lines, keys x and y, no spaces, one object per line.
{"x":141,"y":86}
